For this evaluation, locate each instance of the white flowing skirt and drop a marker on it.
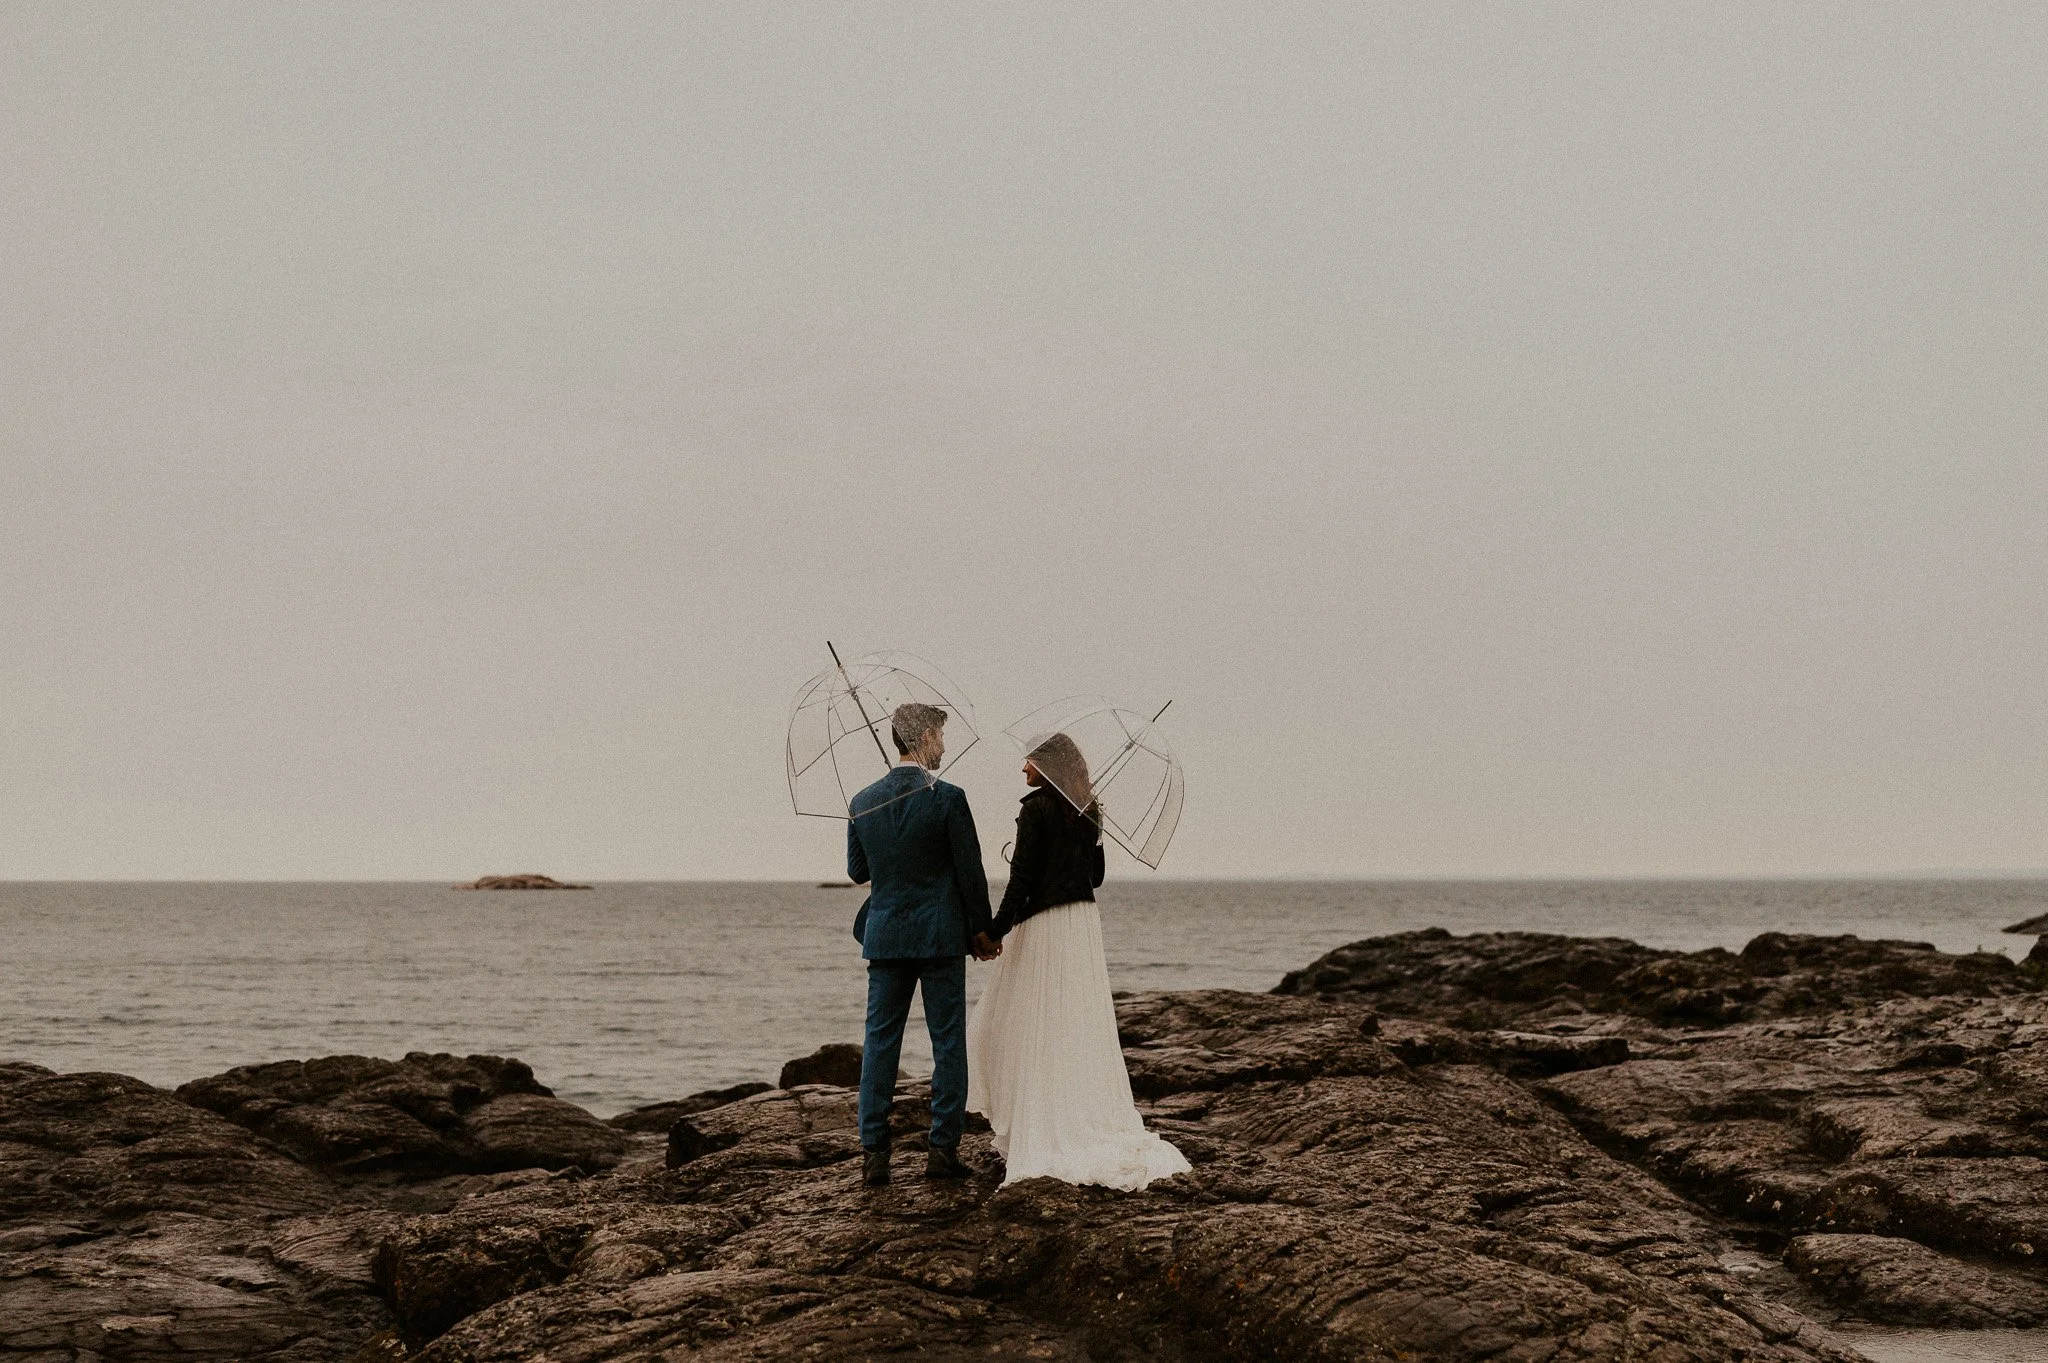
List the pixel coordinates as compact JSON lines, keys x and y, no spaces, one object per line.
{"x":1044,"y":1065}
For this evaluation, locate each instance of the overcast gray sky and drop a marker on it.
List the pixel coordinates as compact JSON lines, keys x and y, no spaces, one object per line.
{"x":1522,"y":438}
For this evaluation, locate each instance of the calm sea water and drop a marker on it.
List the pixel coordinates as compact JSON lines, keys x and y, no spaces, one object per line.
{"x":633,"y":993}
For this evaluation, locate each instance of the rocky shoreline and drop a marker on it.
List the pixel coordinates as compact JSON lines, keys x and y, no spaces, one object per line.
{"x":1502,"y":1146}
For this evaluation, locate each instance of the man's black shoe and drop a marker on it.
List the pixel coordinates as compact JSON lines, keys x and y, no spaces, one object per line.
{"x":874,"y":1166}
{"x":945,"y":1163}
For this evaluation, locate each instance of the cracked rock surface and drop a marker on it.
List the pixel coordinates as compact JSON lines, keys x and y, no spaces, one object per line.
{"x":423,"y":1115}
{"x":1877,"y":1112}
{"x":1345,"y":1204}
{"x":1502,"y":1147}
{"x":236,"y":1218}
{"x":136,"y":1226}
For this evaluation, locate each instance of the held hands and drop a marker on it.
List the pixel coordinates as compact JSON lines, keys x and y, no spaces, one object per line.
{"x":986,"y":948}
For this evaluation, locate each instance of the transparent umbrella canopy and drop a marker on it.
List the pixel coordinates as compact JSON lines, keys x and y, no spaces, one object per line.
{"x":1115,"y":759}
{"x":839,"y":739}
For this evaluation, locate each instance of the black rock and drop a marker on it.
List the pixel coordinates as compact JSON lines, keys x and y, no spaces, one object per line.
{"x":834,"y":1063}
{"x":661,"y":1116}
{"x":1498,"y":979}
{"x":423,"y":1116}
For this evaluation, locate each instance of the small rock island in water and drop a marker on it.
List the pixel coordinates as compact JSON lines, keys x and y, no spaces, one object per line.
{"x":1508,"y":1146}
{"x":528,"y":881}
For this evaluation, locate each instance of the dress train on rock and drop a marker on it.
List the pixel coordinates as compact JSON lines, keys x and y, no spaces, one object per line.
{"x":1044,"y":1064}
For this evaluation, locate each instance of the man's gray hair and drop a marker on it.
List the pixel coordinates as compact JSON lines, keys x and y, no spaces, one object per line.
{"x":911,"y":722}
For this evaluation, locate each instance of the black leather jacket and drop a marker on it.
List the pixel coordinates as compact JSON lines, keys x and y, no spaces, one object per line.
{"x":1057,"y":860}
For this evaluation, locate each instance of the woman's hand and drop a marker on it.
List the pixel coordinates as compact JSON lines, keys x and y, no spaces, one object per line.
{"x":986,"y":948}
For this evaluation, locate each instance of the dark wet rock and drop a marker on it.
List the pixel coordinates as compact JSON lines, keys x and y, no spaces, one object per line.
{"x":1509,"y":1147}
{"x":1862,"y":1096}
{"x":818,"y":1123}
{"x":1898,"y":1282}
{"x":1432,"y":973}
{"x":1520,"y":1054}
{"x":688,"y":1140}
{"x":1206,"y":1039}
{"x":137,"y":1223}
{"x":176,"y":1294}
{"x":296,"y":1290}
{"x":535,"y":1131}
{"x":386,"y":1346}
{"x":806,"y":1127}
{"x":1493,"y":980}
{"x":659,"y":1117}
{"x":833,"y":1063}
{"x":758,"y":1314}
{"x":1825,"y":1128}
{"x":109,"y":1149}
{"x":799,"y":1127}
{"x":1343,"y":1205}
{"x":420,"y":1116}
{"x":434,"y":1279}
{"x":135,"y":1226}
{"x":1526,"y":1054}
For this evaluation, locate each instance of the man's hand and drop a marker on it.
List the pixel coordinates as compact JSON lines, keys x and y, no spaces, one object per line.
{"x":986,"y":948}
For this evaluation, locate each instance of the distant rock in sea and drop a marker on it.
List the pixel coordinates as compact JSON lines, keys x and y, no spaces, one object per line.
{"x":518,"y":882}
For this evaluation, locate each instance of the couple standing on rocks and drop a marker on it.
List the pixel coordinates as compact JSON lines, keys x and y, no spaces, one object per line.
{"x":1040,"y":1058}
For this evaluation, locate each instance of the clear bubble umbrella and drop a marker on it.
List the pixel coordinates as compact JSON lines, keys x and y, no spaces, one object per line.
{"x":1116,"y":761}
{"x":839,"y":739}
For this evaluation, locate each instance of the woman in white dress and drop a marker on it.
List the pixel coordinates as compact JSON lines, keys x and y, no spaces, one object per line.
{"x":1043,"y":1062}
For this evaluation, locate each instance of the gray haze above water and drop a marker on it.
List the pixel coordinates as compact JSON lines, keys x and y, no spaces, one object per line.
{"x":1548,"y":439}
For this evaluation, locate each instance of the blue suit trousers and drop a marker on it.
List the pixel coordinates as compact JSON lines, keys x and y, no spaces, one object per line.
{"x":890,"y":985}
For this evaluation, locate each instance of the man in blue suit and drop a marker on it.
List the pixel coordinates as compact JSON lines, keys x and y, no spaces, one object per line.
{"x":913,"y":835}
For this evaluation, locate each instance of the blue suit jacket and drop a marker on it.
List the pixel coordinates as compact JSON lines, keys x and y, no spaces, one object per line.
{"x":914,"y":837}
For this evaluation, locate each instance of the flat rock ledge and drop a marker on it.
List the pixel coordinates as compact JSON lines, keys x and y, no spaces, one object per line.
{"x":1503,"y":1147}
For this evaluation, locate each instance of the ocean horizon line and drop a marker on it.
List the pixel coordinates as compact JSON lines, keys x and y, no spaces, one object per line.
{"x":1285,"y":878}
